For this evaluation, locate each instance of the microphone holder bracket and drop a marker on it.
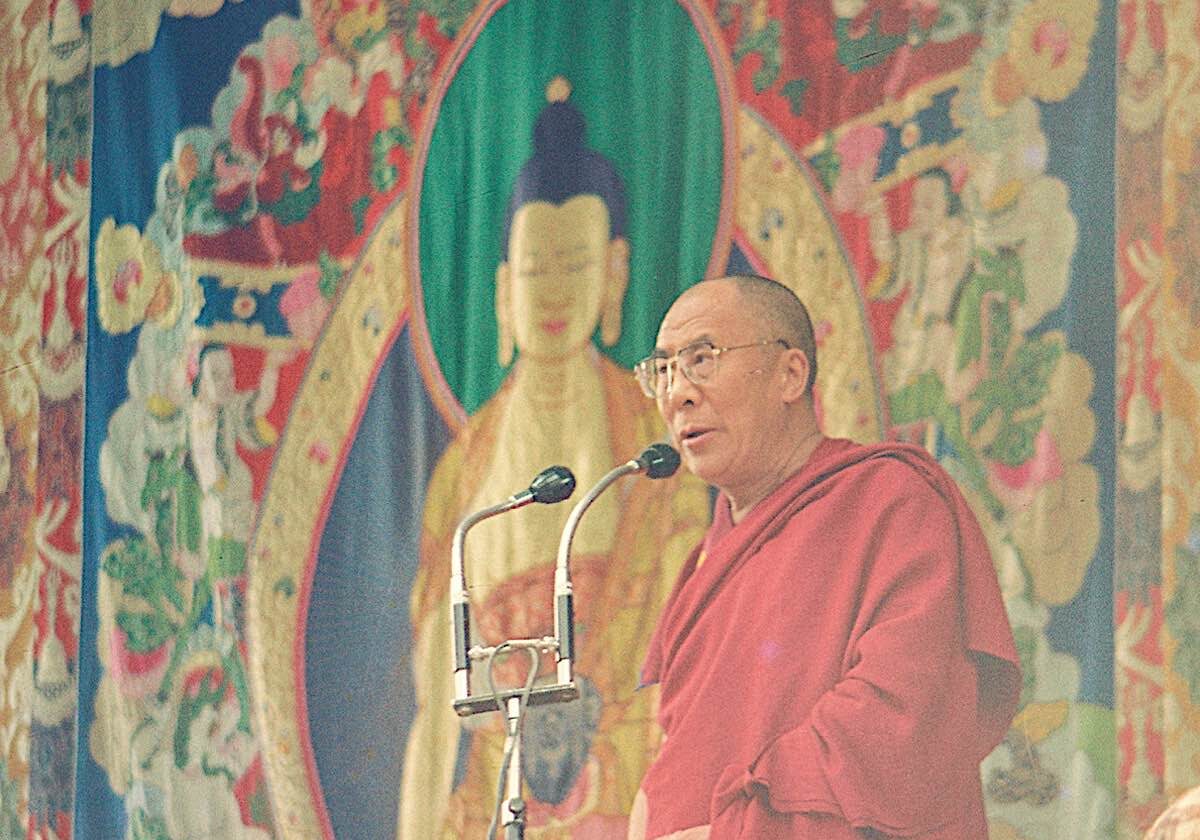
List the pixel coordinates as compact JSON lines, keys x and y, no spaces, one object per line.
{"x":539,"y":696}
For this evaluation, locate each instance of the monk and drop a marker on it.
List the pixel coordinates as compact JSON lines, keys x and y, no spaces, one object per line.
{"x":834,"y":660}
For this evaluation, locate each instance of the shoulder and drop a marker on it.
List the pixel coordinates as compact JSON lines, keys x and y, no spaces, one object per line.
{"x":893,"y":469}
{"x":456,"y":472}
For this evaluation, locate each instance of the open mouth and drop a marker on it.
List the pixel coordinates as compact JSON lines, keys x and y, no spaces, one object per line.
{"x":688,"y":436}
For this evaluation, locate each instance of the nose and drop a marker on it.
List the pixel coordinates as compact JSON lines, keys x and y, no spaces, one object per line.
{"x":679,"y":390}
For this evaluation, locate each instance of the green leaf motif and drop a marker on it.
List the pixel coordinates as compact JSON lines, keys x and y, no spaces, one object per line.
{"x":994,"y":275}
{"x":1000,"y":319}
{"x":827,"y":163}
{"x":226,"y":558}
{"x":188,"y":524}
{"x":870,"y":49}
{"x":794,"y":91}
{"x":126,"y":560}
{"x":142,"y":572}
{"x":359,"y":209}
{"x":145,"y":632}
{"x":331,"y":275}
{"x":1026,"y":640}
{"x":199,"y":194}
{"x":142,"y":826}
{"x":209,"y":689}
{"x":449,"y":14}
{"x":765,"y":43}
{"x":925,"y":399}
{"x":1019,"y":385}
{"x":1014,"y":444}
{"x":383,"y":172}
{"x":295,"y":205}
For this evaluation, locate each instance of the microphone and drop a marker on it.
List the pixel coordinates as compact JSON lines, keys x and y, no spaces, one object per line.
{"x":659,"y":460}
{"x":551,"y":485}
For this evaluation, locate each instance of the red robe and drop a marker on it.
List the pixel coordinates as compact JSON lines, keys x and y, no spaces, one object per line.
{"x":838,"y":660}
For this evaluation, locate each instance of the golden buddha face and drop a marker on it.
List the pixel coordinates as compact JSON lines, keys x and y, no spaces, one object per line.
{"x":564,"y":275}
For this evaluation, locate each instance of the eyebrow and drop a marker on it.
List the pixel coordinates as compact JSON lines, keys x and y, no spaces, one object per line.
{"x":703,"y":338}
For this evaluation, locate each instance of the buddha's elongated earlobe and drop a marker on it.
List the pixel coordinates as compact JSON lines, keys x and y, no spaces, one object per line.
{"x":505,"y":346}
{"x":614,"y":293}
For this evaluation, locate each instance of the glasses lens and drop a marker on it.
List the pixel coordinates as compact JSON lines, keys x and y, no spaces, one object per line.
{"x":698,"y":362}
{"x":646,"y":372}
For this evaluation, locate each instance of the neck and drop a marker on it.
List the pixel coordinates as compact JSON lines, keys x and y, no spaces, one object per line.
{"x":548,"y":381}
{"x":742,"y":501}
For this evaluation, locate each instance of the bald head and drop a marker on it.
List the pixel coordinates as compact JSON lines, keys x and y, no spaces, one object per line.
{"x":777,"y":306}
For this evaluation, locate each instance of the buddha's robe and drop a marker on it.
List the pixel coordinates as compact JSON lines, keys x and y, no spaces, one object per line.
{"x":835,"y":665}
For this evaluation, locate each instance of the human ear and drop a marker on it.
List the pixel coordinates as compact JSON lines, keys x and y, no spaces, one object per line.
{"x":795,"y":374}
{"x":504,"y":330}
{"x":614,"y":291}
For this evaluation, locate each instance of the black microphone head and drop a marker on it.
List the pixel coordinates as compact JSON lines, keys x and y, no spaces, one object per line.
{"x":552,"y":484}
{"x":659,"y":460}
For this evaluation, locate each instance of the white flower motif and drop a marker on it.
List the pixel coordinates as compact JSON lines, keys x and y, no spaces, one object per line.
{"x":332,"y":80}
{"x":382,"y":56}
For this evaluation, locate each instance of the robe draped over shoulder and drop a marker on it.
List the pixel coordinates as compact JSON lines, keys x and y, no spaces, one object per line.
{"x":835,"y":664}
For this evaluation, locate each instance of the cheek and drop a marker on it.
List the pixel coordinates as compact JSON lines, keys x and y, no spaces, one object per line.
{"x":585,"y":303}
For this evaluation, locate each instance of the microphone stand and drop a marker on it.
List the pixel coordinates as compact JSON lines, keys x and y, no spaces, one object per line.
{"x":658,"y":461}
{"x":552,"y":485}
{"x":564,"y":595}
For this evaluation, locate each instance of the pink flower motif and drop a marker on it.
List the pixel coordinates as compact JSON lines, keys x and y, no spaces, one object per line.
{"x":319,"y":452}
{"x":207,"y":678}
{"x":282,"y":55}
{"x":246,"y":132}
{"x":1053,"y":37}
{"x":821,"y":331}
{"x":129,"y":274}
{"x":860,"y":147}
{"x":136,"y":674}
{"x":959,"y":170}
{"x":301,"y":293}
{"x":304,"y":307}
{"x":1044,"y":465}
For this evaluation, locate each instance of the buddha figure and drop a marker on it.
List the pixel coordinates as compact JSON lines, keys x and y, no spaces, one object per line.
{"x":561,"y":279}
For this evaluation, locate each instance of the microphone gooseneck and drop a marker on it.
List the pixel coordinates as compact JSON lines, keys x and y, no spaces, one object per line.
{"x":551,"y":485}
{"x":659,"y":460}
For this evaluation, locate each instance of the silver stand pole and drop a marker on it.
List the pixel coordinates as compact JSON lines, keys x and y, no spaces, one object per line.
{"x":514,"y":806}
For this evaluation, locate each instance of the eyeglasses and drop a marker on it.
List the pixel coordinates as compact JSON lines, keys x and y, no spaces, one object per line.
{"x":698,"y":362}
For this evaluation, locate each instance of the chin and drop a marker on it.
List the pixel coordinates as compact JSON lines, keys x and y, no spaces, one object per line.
{"x":708,"y":476}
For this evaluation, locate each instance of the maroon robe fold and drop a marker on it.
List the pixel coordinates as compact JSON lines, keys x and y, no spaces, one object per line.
{"x":838,"y":660}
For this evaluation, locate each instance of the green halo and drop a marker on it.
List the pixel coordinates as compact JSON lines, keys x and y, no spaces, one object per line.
{"x":644,"y":82}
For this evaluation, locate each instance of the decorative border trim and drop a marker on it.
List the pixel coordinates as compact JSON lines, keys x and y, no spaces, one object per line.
{"x":321,"y":428}
{"x":800,"y":255}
